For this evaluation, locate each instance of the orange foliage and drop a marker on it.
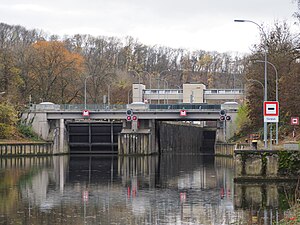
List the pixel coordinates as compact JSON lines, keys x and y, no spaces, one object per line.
{"x":55,"y":71}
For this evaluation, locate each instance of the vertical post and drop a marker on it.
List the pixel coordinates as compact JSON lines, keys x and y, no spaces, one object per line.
{"x":271,"y":137}
{"x":61,"y":134}
{"x":158,"y":91}
{"x":224,"y":128}
{"x":108,"y":95}
{"x":266,"y":94}
{"x":111,"y":133}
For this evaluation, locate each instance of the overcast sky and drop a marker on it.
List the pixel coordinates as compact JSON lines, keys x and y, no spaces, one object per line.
{"x":190,"y":24}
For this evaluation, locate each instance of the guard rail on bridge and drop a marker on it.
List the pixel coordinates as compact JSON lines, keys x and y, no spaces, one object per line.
{"x":106,"y":107}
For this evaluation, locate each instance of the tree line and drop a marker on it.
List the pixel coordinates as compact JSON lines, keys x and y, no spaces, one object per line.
{"x":35,"y":67}
{"x":49,"y":68}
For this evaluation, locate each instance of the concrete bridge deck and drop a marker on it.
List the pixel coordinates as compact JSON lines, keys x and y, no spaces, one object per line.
{"x":51,"y":122}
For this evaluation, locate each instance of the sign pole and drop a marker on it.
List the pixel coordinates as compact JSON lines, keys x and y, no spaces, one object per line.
{"x":294,"y":134}
{"x":271,"y":137}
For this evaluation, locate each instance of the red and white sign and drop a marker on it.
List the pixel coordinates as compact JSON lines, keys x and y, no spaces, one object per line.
{"x":85,"y":113}
{"x":271,"y":108}
{"x":183,"y":113}
{"x":271,"y":111}
{"x":295,"y":121}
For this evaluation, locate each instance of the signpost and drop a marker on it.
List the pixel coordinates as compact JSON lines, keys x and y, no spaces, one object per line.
{"x":294,"y":121}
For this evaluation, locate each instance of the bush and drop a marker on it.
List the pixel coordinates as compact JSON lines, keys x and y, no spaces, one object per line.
{"x":6,"y":131}
{"x":27,"y":131}
{"x":8,"y":114}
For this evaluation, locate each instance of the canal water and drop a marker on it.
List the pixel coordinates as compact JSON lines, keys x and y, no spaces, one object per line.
{"x":170,"y":189}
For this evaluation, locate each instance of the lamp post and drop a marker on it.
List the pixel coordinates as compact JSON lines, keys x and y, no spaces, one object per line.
{"x":257,"y":81}
{"x":85,"y":90}
{"x":167,"y":85}
{"x":128,"y":96}
{"x":150,"y":85}
{"x":266,"y":88}
{"x":158,"y":79}
{"x":276,"y":86}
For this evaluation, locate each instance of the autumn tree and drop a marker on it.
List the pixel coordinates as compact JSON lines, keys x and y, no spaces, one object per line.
{"x":55,"y":73}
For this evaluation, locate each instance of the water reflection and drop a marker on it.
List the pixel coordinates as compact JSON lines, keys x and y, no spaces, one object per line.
{"x":171,"y":189}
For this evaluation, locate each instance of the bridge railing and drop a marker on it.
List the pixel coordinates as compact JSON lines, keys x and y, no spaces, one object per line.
{"x":184,"y":106}
{"x":76,"y":107}
{"x":106,"y":107}
{"x":223,"y":91}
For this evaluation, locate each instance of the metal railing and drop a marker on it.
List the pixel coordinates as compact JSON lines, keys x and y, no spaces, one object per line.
{"x":224,"y":91}
{"x":105,"y":107}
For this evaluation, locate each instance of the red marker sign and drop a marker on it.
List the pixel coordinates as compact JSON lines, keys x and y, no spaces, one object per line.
{"x":295,"y":121}
{"x":183,"y":113}
{"x":271,"y":108}
{"x":271,"y":112}
{"x":85,"y":113}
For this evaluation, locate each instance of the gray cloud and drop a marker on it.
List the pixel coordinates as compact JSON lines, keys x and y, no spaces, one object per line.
{"x":202,"y":24}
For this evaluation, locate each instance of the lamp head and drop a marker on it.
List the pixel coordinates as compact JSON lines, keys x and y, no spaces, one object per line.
{"x":240,"y":21}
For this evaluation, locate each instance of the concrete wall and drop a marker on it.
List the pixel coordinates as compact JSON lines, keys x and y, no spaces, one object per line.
{"x":178,"y":137}
{"x":39,"y":124}
{"x":49,"y":130}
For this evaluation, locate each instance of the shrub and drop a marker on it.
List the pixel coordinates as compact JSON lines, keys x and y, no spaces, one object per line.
{"x":8,"y":114}
{"x":27,"y":131}
{"x":5,"y":131}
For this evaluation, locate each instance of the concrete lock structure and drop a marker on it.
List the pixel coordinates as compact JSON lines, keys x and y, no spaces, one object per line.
{"x":133,"y":128}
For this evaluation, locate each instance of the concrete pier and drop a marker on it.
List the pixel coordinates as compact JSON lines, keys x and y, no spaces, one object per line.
{"x":138,"y":138}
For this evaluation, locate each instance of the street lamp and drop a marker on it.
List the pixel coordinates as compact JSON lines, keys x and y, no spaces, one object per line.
{"x":266,"y":91}
{"x":257,"y":81}
{"x":276,"y":86}
{"x":149,"y":75}
{"x":158,"y":79}
{"x":166,"y":85}
{"x":150,"y":85}
{"x":128,"y":96}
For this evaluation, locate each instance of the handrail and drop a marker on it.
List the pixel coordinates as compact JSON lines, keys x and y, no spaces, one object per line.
{"x":123,"y":107}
